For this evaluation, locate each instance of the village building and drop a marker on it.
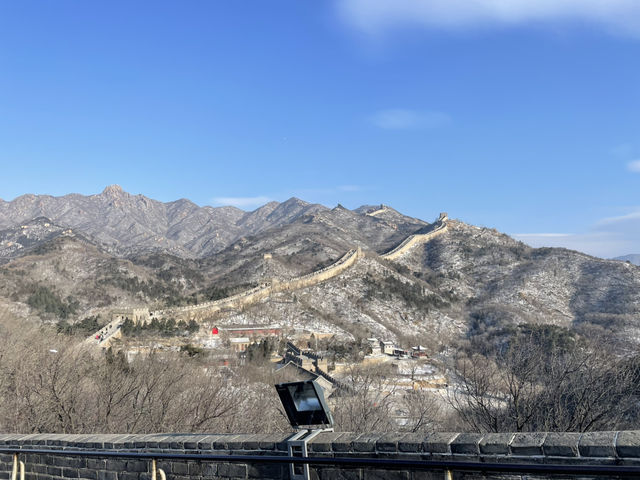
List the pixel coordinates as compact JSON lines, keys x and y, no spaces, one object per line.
{"x":239,"y":344}
{"x":252,"y":331}
{"x":418,"y":351}
{"x":387,"y":347}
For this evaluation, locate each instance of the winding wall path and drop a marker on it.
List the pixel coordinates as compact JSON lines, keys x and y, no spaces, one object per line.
{"x":198,"y":312}
{"x":382,"y":209}
{"x":204,"y":310}
{"x":416,"y":239}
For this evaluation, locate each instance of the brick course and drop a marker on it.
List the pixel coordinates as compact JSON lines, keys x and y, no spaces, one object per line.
{"x":592,"y":448}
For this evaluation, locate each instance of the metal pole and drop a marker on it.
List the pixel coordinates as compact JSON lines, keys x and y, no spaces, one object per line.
{"x":14,"y":472}
{"x":154,"y":471}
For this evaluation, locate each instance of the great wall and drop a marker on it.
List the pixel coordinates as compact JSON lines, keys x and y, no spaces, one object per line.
{"x":199,"y":312}
{"x":418,"y":238}
{"x":196,"y":312}
{"x":382,"y":209}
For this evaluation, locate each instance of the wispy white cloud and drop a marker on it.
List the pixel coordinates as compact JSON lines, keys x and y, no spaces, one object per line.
{"x":376,"y":16}
{"x":542,"y":235}
{"x":608,"y":237}
{"x":622,"y":150}
{"x":634,"y":166}
{"x":258,"y":201}
{"x":609,"y":221}
{"x":404,"y":119}
{"x":241,"y":202}
{"x":599,"y":244}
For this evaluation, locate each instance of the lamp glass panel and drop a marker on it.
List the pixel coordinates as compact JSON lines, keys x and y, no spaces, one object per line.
{"x":304,"y":397}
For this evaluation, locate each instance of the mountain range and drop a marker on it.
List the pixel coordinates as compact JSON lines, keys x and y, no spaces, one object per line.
{"x":126,"y":224}
{"x":75,"y":256}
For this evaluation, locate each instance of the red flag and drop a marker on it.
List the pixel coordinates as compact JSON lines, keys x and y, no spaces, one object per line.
{"x":214,"y":331}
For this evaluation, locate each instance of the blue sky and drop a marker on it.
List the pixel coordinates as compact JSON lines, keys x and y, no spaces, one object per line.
{"x":520,"y":115}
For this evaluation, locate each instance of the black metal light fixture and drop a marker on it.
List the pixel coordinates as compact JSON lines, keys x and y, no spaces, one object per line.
{"x":309,"y":414}
{"x":304,"y":404}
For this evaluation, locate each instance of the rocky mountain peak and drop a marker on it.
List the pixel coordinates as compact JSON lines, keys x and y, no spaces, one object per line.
{"x":267,"y":207}
{"x":126,"y":224}
{"x":295,"y":201}
{"x":113,"y":191}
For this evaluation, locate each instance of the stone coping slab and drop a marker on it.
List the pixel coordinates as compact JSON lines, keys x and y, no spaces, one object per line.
{"x":623,"y":446}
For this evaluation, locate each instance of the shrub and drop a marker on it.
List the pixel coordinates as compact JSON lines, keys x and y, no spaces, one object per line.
{"x":46,"y":300}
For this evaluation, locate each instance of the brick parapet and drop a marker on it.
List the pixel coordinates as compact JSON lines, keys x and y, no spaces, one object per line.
{"x":416,"y":239}
{"x":594,"y":448}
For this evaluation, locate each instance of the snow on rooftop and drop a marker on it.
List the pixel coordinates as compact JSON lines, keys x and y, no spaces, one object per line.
{"x":239,"y":340}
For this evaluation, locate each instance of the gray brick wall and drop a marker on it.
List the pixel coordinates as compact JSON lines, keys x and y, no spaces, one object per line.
{"x":596,"y":448}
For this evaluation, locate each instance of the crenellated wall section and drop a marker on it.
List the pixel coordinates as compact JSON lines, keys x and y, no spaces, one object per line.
{"x":254,"y":295}
{"x":249,"y":297}
{"x":382,"y":209}
{"x":416,"y":239}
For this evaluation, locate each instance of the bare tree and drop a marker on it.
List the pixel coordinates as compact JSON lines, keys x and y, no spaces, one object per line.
{"x":48,"y":384}
{"x":422,"y":410}
{"x":530,"y":387}
{"x":367,"y":404}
